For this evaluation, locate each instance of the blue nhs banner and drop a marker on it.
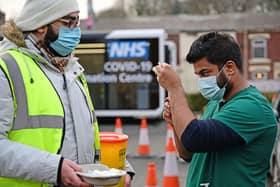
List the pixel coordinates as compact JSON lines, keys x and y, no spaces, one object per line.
{"x":128,"y":49}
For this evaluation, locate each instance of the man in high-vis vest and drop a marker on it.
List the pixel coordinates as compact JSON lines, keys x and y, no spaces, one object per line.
{"x":47,"y":122}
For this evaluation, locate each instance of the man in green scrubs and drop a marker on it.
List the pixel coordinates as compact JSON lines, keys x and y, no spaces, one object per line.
{"x":231,"y":144}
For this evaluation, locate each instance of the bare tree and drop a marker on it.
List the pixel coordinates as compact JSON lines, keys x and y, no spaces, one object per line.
{"x":146,"y":7}
{"x":113,"y":12}
{"x":228,"y":6}
{"x":204,"y":7}
{"x":274,"y":5}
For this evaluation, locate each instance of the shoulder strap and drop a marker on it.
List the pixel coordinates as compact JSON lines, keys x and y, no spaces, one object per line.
{"x":95,"y":123}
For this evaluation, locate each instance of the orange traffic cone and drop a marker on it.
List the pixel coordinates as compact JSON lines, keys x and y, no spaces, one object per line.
{"x":169,"y":134}
{"x":151,"y":179}
{"x":144,"y":142}
{"x":170,"y":172}
{"x":118,"y":125}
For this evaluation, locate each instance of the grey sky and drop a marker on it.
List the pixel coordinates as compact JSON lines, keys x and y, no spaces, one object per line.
{"x":12,"y":7}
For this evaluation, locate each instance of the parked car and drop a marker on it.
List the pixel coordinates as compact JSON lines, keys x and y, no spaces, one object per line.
{"x":275,"y":159}
{"x":276,"y":106}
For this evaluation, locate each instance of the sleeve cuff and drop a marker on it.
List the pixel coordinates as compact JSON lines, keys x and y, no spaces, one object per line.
{"x":59,"y":171}
{"x":131,"y":174}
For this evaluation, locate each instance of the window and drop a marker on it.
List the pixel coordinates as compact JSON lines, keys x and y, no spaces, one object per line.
{"x":259,"y":75}
{"x":276,"y":70}
{"x":259,"y":48}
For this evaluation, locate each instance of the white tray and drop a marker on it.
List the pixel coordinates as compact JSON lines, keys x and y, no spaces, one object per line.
{"x":107,"y":179}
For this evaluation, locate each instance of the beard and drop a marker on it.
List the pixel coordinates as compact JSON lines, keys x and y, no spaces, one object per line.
{"x":225,"y":82}
{"x":50,"y":37}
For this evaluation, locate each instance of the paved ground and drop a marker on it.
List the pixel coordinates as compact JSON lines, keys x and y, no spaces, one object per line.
{"x":157,"y":135}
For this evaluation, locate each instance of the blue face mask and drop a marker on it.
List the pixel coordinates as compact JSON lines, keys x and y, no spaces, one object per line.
{"x":67,"y":40}
{"x":209,"y":88}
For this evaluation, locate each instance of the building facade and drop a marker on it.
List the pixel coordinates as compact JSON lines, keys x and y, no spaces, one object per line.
{"x":257,"y":34}
{"x":260,"y":50}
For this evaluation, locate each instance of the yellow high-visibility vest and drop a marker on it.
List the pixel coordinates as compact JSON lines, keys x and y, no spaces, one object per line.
{"x":37,"y":122}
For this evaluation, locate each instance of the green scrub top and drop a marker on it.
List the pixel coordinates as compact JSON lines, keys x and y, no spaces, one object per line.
{"x":250,"y":115}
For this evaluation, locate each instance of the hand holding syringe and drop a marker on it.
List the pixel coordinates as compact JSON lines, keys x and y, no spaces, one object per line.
{"x":167,"y":77}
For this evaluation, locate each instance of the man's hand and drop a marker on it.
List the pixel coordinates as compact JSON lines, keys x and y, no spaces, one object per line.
{"x":127,"y":181}
{"x":69,"y":176}
{"x":167,"y":77}
{"x":167,"y":116}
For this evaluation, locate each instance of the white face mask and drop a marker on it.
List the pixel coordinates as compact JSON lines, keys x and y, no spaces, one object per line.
{"x":67,"y":40}
{"x":209,"y":87}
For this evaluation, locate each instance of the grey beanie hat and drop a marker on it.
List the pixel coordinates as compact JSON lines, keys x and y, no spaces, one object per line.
{"x":37,"y":13}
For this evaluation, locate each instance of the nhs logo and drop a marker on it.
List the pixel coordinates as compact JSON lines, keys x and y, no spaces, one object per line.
{"x":128,"y":49}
